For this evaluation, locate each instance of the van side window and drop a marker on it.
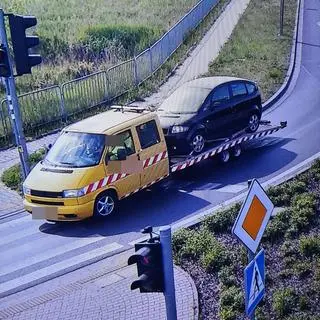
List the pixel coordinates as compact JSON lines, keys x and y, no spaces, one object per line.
{"x":238,"y":89}
{"x":148,"y":134}
{"x":251,"y":88}
{"x":126,"y":141}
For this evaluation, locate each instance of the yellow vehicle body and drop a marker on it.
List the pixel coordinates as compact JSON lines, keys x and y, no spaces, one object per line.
{"x":146,"y":162}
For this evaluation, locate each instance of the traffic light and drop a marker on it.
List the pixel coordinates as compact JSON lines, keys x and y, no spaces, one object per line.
{"x":4,"y":63}
{"x":148,"y":257}
{"x":21,"y":43}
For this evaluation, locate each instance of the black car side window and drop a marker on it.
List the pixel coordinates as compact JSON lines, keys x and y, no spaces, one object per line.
{"x":220,"y":95}
{"x":148,"y":134}
{"x":238,"y":89}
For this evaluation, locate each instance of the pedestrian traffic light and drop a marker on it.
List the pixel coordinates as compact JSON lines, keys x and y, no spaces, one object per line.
{"x":4,"y":63}
{"x":21,"y":43}
{"x":148,"y":257}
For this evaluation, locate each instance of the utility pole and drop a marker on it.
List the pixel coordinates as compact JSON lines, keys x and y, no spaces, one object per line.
{"x":13,"y":104}
{"x":281,"y":17}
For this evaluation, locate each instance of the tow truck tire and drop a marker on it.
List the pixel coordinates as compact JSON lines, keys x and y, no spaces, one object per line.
{"x":236,"y":151}
{"x":225,"y":156}
{"x":253,"y":122}
{"x":105,"y":204}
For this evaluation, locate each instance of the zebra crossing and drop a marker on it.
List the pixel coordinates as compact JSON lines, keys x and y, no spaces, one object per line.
{"x":32,"y":251}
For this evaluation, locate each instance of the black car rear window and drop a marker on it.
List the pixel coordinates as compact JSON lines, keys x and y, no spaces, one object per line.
{"x":251,"y":88}
{"x":238,"y":89}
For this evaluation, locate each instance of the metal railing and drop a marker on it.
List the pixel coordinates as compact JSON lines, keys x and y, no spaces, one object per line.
{"x":41,"y":107}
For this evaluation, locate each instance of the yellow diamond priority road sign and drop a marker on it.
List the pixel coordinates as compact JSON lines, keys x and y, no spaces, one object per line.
{"x":253,"y":217}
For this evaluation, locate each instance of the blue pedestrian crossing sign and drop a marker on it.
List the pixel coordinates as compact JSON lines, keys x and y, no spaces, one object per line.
{"x":254,"y":278}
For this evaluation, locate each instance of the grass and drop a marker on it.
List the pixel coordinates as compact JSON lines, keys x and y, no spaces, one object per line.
{"x":292,"y":262}
{"x":74,"y":36}
{"x":254,"y":50}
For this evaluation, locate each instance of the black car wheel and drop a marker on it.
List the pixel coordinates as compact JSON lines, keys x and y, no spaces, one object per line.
{"x":197,"y":143}
{"x":253,"y":122}
{"x":106,"y":203}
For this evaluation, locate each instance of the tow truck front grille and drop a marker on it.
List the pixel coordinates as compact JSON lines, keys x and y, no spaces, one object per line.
{"x":48,"y":203}
{"x":46,"y":194}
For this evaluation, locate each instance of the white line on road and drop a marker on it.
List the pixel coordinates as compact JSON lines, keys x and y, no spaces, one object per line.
{"x":47,"y":254}
{"x":57,"y":267}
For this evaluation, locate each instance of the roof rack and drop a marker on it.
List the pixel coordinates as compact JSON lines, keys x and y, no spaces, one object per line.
{"x":133,"y":108}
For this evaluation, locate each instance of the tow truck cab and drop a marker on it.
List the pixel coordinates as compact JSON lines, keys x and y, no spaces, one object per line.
{"x":96,"y":162}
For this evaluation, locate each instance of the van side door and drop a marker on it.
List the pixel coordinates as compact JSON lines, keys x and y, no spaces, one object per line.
{"x":153,"y":152}
{"x":123,"y":180}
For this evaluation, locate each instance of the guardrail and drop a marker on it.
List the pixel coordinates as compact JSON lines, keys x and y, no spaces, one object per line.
{"x":53,"y":104}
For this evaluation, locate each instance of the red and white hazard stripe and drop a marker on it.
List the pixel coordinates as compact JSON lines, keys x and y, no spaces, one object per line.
{"x":145,"y":186}
{"x":155,"y":159}
{"x":219,"y":149}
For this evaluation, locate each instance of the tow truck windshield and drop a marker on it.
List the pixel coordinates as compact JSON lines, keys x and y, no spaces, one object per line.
{"x":75,"y":149}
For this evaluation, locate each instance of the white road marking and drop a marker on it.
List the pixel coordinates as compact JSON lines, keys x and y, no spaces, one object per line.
{"x":57,"y":267}
{"x":232,"y":188}
{"x":47,"y":254}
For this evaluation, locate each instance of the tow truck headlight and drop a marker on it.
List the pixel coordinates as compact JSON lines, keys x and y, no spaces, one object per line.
{"x":26,"y":190}
{"x":179,"y":129}
{"x":73,"y":193}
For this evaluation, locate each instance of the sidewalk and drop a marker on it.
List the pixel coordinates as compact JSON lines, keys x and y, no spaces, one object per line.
{"x":195,"y":65}
{"x":99,"y":295}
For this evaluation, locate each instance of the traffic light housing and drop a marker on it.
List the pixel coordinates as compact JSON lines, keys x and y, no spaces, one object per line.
{"x":21,"y":43}
{"x":4,"y":63}
{"x":148,"y":257}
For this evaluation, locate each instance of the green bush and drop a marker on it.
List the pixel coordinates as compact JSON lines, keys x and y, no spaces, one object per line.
{"x":310,"y":245}
{"x":277,"y":227}
{"x":302,"y":269}
{"x":231,"y":303}
{"x":12,"y":177}
{"x":226,"y":276}
{"x":303,"y":211}
{"x":179,"y":240}
{"x":284,"y":301}
{"x":289,"y":248}
{"x":282,"y":195}
{"x":222,"y":221}
{"x":215,"y":257}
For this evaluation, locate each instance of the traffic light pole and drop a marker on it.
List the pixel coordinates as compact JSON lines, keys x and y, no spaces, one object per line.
{"x":13,"y":105}
{"x":169,"y":289}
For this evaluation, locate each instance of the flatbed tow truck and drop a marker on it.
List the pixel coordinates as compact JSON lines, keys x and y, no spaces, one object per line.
{"x":68,"y":185}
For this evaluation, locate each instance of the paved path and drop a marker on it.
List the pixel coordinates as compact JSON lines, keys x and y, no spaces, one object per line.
{"x":195,"y":65}
{"x":98,"y":293}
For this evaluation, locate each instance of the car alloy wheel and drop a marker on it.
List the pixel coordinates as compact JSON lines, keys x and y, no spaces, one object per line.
{"x":197,"y":143}
{"x":253,"y":122}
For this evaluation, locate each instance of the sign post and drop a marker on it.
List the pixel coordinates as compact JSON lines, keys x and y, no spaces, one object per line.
{"x":249,"y":227}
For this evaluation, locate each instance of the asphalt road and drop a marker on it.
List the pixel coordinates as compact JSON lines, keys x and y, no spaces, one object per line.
{"x":32,"y":251}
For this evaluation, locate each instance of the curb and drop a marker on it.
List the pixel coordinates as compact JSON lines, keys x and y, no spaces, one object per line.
{"x":194,"y":291}
{"x":293,"y":61}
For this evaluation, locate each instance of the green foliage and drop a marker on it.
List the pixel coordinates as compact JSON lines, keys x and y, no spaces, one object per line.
{"x":302,"y":269}
{"x":310,"y":245}
{"x":214,"y":258}
{"x":222,"y":221}
{"x":231,"y":303}
{"x":284,"y":301}
{"x":282,"y":195}
{"x":277,"y":227}
{"x":131,"y":38}
{"x":12,"y":177}
{"x":226,"y":276}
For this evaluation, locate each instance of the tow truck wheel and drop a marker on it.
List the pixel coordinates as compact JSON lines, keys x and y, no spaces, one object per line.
{"x":236,"y":151}
{"x":225,"y":156}
{"x":106,"y":203}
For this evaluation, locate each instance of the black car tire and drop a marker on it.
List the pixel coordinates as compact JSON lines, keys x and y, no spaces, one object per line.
{"x":197,"y":142}
{"x":253,"y":122}
{"x":105,"y":204}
